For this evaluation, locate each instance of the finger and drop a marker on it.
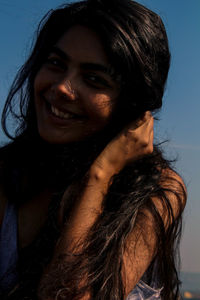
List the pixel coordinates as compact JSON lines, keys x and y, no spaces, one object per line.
{"x":151,"y":137}
{"x":150,"y":122}
{"x":147,"y":115}
{"x":145,"y":118}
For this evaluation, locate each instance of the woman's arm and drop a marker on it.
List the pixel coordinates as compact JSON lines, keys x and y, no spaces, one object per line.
{"x":141,"y":243}
{"x":131,"y":144}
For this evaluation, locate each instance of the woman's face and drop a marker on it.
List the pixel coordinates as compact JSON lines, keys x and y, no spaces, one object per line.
{"x":74,"y":90}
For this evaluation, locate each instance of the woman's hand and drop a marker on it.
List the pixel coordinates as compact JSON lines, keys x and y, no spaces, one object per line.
{"x":134,"y":142}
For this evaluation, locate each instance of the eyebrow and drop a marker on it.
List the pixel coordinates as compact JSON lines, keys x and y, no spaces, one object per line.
{"x":108,"y":70}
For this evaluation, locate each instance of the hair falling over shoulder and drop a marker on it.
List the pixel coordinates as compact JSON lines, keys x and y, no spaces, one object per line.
{"x":137,"y":47}
{"x":101,"y":260}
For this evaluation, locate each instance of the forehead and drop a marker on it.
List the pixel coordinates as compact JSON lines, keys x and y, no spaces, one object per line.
{"x":82,"y":44}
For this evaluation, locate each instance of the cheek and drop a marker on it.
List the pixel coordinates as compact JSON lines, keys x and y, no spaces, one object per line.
{"x":100,"y":106}
{"x":39,"y":81}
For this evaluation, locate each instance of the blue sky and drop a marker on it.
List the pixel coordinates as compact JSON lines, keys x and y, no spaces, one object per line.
{"x":179,"y":118}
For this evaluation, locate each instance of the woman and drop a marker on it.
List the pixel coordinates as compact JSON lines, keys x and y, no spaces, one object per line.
{"x":94,"y":210}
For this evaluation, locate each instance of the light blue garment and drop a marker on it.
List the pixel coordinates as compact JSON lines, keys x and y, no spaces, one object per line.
{"x":150,"y":291}
{"x":8,"y":249}
{"x":144,"y":291}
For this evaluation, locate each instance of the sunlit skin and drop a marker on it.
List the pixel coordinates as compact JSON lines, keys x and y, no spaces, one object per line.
{"x":75,"y":82}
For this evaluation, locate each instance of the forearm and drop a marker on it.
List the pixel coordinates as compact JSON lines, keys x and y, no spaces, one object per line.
{"x":128,"y":146}
{"x":86,"y":209}
{"x":133,"y":142}
{"x":84,"y":214}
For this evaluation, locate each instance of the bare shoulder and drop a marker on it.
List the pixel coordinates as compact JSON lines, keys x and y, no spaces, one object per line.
{"x":172,"y":182}
{"x":173,"y":200}
{"x":142,"y":242}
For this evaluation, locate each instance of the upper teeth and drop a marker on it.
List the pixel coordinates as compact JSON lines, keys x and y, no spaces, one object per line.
{"x":61,"y":114}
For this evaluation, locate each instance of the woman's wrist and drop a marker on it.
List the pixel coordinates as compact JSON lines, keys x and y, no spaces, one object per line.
{"x":100,"y":174}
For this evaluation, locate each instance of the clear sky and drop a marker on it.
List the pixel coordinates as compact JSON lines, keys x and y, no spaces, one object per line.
{"x":179,"y":119}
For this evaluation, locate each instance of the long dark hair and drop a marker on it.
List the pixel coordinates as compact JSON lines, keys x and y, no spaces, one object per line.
{"x":136,"y":44}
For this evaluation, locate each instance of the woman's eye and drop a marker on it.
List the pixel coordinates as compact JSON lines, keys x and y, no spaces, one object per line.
{"x":96,"y":81}
{"x":55,"y":62}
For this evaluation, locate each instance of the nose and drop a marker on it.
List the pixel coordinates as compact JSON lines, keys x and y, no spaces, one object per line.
{"x":64,"y":88}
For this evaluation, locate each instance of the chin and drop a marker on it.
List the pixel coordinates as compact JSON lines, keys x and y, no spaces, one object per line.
{"x":60,"y":139}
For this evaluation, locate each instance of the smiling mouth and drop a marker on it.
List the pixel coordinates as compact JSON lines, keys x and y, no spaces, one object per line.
{"x":62,"y":115}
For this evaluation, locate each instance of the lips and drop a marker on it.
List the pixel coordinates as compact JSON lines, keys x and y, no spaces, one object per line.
{"x":62,"y":114}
